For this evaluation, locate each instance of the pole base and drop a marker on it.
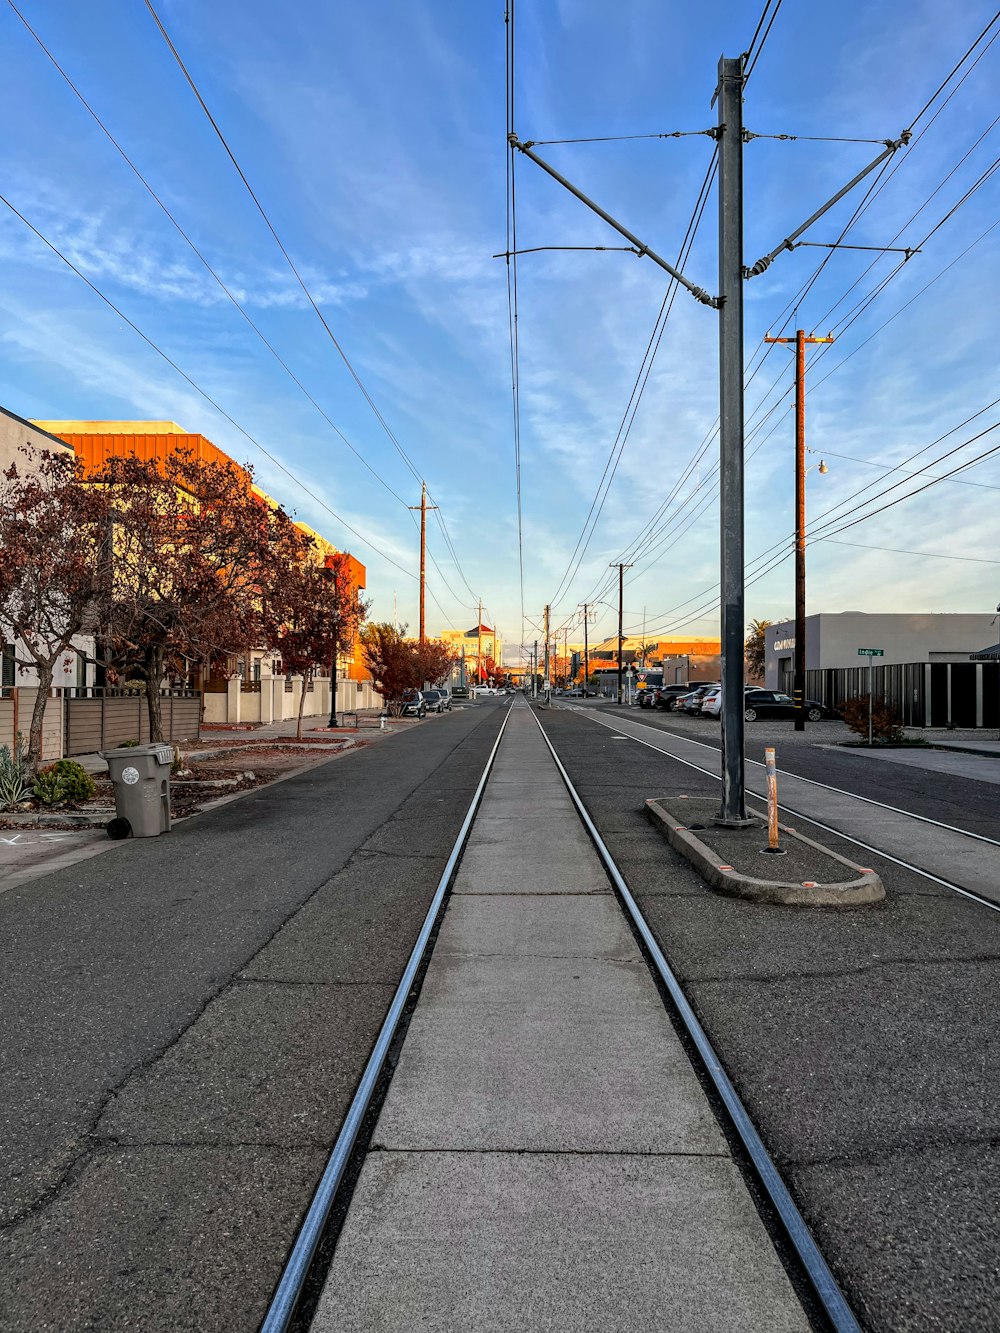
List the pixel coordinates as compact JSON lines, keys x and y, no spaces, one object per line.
{"x":722,"y":822}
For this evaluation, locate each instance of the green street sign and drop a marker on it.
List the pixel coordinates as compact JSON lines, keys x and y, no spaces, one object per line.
{"x":871,"y":652}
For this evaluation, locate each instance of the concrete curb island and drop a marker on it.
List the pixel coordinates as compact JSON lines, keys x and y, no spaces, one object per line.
{"x":862,"y":888}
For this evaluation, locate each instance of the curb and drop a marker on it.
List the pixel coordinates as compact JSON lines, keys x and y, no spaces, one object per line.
{"x":863,"y":888}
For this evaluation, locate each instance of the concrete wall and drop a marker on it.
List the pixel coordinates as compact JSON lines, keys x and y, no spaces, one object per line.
{"x":833,"y":639}
{"x":15,"y":433}
{"x":273,"y":702}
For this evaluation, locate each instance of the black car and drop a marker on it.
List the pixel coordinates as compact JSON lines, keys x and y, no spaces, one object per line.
{"x":460,"y":692}
{"x":770,"y":703}
{"x":413,"y":704}
{"x":666,"y":696}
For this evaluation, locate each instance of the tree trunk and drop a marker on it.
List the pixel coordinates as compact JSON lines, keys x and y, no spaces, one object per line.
{"x":302,"y":704}
{"x":38,"y":715}
{"x":154,"y":674}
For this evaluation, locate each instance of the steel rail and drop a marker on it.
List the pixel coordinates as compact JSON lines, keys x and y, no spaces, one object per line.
{"x":292,"y":1281}
{"x":829,"y":828}
{"x":823,"y":1282}
{"x":826,"y":786}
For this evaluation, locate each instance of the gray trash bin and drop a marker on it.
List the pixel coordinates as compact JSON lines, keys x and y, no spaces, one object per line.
{"x":141,"y":774}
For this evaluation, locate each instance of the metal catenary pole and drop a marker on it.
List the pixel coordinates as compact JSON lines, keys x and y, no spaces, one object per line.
{"x":730,"y":139}
{"x":586,"y":649}
{"x":545,"y":679}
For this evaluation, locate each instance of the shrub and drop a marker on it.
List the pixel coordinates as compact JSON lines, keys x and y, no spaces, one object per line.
{"x":14,"y":789}
{"x":128,"y":745}
{"x":49,"y":786}
{"x":77,"y":781}
{"x":886,"y":725}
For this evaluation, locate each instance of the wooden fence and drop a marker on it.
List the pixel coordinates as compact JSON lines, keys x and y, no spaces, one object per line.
{"x":96,"y":720}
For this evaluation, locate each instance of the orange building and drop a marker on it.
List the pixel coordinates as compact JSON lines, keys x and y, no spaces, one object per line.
{"x":95,"y":442}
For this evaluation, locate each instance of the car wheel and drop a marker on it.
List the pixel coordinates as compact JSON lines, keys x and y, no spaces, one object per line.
{"x":750,"y":715}
{"x":814,"y":714}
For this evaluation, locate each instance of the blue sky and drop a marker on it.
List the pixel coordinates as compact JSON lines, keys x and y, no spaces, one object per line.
{"x":374,"y":136}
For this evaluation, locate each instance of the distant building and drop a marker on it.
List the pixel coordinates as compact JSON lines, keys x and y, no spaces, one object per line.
{"x":478,"y":652}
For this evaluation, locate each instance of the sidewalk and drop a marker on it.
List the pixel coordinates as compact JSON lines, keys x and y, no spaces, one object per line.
{"x":546,"y":1157}
{"x":212,"y":737}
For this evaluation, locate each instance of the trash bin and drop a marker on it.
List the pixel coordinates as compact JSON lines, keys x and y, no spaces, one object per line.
{"x":141,"y":776}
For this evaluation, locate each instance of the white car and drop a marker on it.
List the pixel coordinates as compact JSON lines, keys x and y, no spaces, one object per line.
{"x":711,"y":705}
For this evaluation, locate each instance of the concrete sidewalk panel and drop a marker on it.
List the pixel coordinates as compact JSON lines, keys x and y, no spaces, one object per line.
{"x":544,"y":1054}
{"x":448,"y":1243}
{"x":535,"y":927}
{"x":562,"y":864}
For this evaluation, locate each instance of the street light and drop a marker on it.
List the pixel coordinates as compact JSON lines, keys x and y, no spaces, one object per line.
{"x":330,"y":574}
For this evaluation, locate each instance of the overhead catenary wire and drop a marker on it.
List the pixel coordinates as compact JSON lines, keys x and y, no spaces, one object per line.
{"x":512,"y":307}
{"x":366,"y":394}
{"x":885,"y":281}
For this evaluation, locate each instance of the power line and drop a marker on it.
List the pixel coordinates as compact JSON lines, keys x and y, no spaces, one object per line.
{"x":199,"y":255}
{"x":280,"y":244}
{"x":944,"y":83}
{"x":198,"y":389}
{"x":512,"y":312}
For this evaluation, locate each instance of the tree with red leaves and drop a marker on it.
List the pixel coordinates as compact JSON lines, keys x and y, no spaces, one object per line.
{"x":54,"y":568}
{"x":198,"y":557}
{"x":398,"y":664}
{"x":314,"y":617}
{"x":433,"y":661}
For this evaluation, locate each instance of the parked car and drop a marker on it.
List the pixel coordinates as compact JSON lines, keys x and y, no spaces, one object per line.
{"x":413,"y":704}
{"x":691,"y":703}
{"x":667,"y":696}
{"x":437,"y":701}
{"x":460,"y":692}
{"x":769,"y":703}
{"x":711,"y":704}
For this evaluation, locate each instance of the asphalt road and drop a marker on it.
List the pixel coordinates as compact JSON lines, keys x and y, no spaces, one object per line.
{"x":816,"y":753}
{"x":861,"y":1041}
{"x":185,"y":1020}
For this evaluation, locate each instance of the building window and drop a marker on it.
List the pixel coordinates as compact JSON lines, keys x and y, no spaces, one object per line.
{"x":7,"y":665}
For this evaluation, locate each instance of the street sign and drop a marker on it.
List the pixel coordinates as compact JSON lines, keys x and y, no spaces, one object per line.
{"x":871,"y":652}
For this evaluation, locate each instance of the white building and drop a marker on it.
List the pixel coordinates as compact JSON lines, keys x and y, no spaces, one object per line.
{"x":924,"y":669}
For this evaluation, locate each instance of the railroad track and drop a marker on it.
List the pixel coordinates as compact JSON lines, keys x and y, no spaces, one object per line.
{"x":813,"y":1266}
{"x":624,"y":726}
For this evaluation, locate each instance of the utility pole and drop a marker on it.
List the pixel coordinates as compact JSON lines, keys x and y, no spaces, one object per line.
{"x":423,"y":506}
{"x":729,"y":93}
{"x":534,"y":672}
{"x":545,"y":678}
{"x":479,"y":644}
{"x":586,"y":647}
{"x":799,"y":662}
{"x":621,"y":567}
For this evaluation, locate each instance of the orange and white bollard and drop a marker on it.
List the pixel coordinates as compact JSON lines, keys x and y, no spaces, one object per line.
{"x":772,"y":799}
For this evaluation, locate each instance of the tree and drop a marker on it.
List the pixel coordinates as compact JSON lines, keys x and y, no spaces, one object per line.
{"x":197,"y":557}
{"x":391,"y":662}
{"x":313,"y":616}
{"x":54,"y":571}
{"x":753,"y":648}
{"x":434,"y":660}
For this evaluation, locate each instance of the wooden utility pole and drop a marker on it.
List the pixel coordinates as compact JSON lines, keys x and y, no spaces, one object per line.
{"x":586,"y":649}
{"x":799,"y":661}
{"x":423,"y":506}
{"x":545,"y":680}
{"x":479,"y":645}
{"x":621,"y":567}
